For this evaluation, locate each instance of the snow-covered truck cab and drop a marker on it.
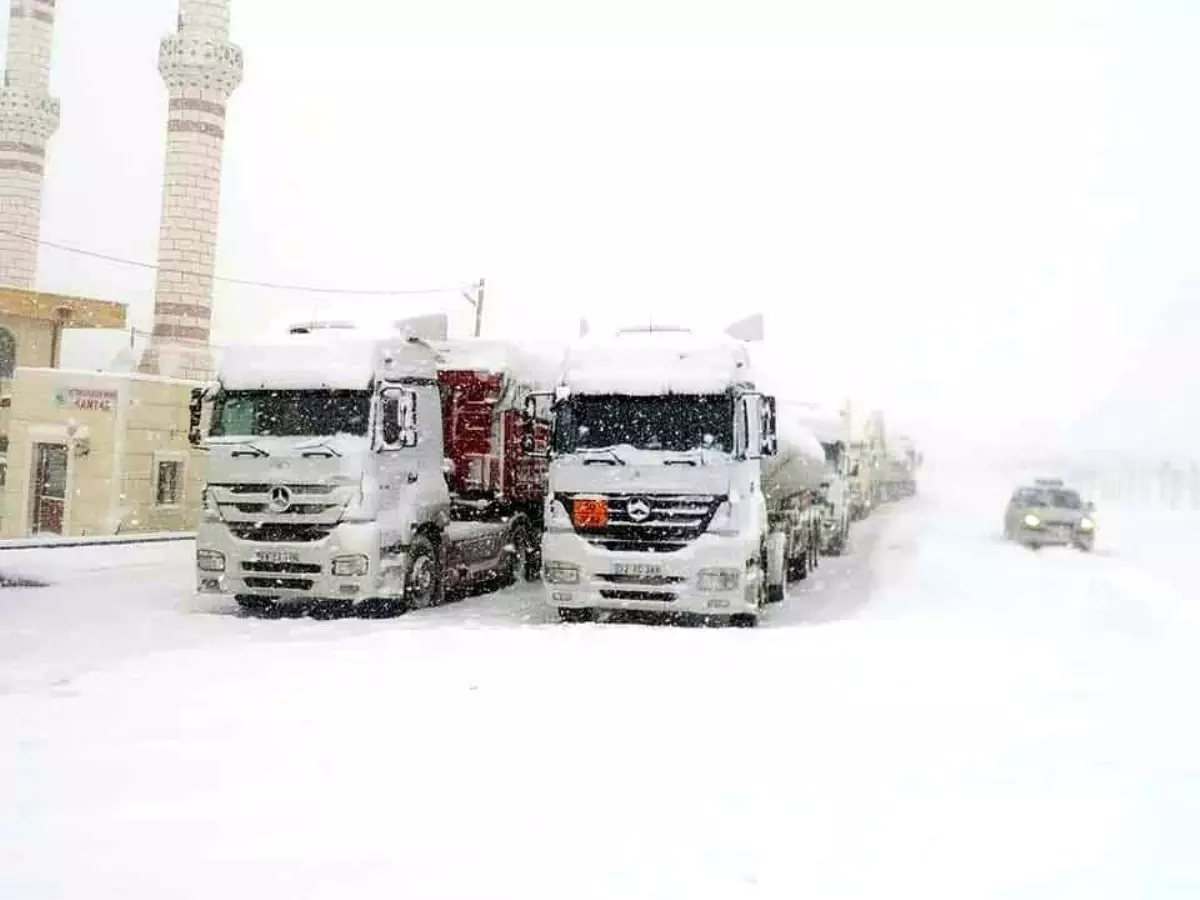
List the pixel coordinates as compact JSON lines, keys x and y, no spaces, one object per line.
{"x":328,"y":480}
{"x":655,"y":499}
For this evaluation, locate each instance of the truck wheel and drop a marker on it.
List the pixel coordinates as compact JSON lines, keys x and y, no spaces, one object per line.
{"x":744,"y":620}
{"x":775,"y":593}
{"x":523,"y":564}
{"x":423,"y":580}
{"x":575,"y":615}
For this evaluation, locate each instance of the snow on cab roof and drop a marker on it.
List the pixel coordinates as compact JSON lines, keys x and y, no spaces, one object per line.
{"x":321,"y":360}
{"x":535,"y":364}
{"x":658,"y":361}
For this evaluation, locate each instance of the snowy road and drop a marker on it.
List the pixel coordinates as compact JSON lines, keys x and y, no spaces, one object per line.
{"x":938,"y":714}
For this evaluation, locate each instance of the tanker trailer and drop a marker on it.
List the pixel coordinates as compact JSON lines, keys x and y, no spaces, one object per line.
{"x":791,"y":484}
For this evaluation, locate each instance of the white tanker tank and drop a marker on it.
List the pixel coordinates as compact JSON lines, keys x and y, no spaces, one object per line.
{"x":797,"y":468}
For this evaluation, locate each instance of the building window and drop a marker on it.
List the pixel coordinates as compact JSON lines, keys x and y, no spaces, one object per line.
{"x":8,"y":353}
{"x":168,"y":488}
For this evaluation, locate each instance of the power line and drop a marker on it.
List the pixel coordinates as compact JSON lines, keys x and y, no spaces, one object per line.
{"x":297,"y":288}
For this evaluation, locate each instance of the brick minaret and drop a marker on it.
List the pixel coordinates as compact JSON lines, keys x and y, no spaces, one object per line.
{"x":201,"y":69}
{"x":28,"y":117}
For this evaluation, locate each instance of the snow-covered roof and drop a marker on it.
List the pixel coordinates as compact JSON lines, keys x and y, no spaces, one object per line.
{"x":100,"y":349}
{"x":825,"y":422}
{"x":658,"y":362}
{"x":535,"y":364}
{"x":342,"y":360}
{"x":799,"y":439}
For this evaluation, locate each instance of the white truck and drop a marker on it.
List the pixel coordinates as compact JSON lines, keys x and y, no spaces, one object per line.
{"x":364,"y":469}
{"x":829,"y":427}
{"x":661,"y":493}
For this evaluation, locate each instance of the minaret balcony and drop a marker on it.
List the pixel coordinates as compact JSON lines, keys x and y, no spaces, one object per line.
{"x":191,"y":60}
{"x":28,"y":112}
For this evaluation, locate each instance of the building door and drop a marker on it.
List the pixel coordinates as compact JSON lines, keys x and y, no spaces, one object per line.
{"x":49,"y":489}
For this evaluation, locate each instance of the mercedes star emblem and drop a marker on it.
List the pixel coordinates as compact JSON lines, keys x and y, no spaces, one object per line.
{"x":638,"y":509}
{"x":279,"y":499}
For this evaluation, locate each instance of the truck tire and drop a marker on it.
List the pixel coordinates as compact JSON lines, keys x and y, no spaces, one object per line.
{"x":524,"y":563}
{"x":798,"y":567}
{"x":744,"y":620}
{"x":423,"y":577}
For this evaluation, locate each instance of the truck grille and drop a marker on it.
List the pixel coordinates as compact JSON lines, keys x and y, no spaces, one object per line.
{"x":283,"y":568}
{"x":279,"y":532}
{"x":660,"y":596}
{"x":291,"y":584}
{"x":309,"y":504}
{"x":675,"y":521}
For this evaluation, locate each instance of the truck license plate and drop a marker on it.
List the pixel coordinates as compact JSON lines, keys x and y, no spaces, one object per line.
{"x":637,"y":570}
{"x":277,"y":556}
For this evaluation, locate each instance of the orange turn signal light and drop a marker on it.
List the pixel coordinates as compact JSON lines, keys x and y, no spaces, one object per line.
{"x":590,"y":513}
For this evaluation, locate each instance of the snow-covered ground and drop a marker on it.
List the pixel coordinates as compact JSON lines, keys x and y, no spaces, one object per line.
{"x":938,"y":715}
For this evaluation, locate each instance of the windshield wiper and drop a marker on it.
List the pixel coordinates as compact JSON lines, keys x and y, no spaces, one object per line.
{"x":251,"y":450}
{"x":322,"y":444}
{"x":686,"y":458}
{"x":612,"y":456}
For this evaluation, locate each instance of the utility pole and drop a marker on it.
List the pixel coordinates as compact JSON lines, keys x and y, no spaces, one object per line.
{"x":477,"y":302}
{"x":479,"y":309}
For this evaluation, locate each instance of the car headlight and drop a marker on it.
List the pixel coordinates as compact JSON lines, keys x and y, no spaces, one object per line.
{"x":1086,"y":524}
{"x":560,"y":573}
{"x":1032,"y":521}
{"x":351,"y":565}
{"x":719,"y":579}
{"x":210,"y":561}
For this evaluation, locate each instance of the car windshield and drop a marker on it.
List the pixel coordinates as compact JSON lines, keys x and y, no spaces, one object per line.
{"x":1050,"y":498}
{"x":678,"y":422}
{"x":290,"y":413}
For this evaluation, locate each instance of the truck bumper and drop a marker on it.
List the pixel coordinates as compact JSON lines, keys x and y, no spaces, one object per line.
{"x":345,"y":566}
{"x":712,"y":576}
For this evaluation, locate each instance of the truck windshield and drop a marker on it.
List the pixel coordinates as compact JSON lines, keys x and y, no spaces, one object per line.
{"x":675,"y":422}
{"x":290,"y":413}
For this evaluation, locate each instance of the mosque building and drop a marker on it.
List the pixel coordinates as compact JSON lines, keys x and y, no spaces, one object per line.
{"x":99,"y":446}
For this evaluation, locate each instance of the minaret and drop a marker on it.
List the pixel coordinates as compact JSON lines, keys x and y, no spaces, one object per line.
{"x":201,"y":69}
{"x":28,"y":117}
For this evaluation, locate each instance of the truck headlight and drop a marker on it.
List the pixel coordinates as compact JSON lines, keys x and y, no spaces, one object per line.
{"x":1086,"y":524}
{"x":560,"y":573}
{"x":351,"y":565}
{"x":210,"y":561}
{"x":1032,"y":521}
{"x":719,"y":580}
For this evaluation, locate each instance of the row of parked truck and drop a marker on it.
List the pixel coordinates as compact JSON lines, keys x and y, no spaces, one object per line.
{"x":383,"y":468}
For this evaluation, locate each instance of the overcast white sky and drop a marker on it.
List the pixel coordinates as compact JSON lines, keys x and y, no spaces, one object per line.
{"x":982,"y":216}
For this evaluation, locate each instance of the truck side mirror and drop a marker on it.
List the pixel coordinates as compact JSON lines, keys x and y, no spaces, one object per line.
{"x":195,"y":410}
{"x":770,"y":436}
{"x":529,"y":420}
{"x":398,"y":418}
